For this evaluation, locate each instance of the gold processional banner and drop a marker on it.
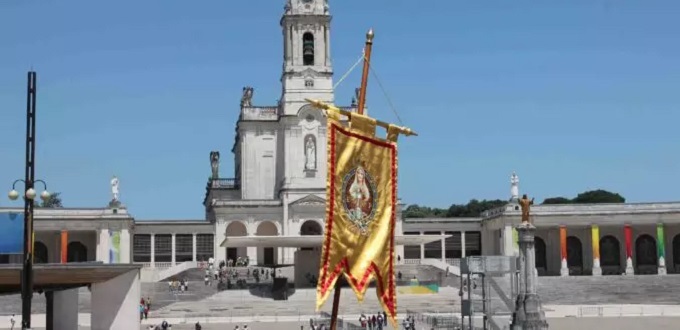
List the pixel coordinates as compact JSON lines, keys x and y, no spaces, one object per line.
{"x":361,"y":191}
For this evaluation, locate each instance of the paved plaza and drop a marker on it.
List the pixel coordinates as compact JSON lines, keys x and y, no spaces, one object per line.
{"x":600,"y":323}
{"x":647,"y":301}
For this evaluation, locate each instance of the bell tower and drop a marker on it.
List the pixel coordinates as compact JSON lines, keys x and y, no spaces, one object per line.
{"x":307,"y":69}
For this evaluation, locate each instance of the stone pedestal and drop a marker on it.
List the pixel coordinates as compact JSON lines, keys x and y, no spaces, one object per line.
{"x":597,"y":270}
{"x":662,"y":266}
{"x":115,"y":303}
{"x":629,"y":267}
{"x":528,"y":313}
{"x":564,"y":268}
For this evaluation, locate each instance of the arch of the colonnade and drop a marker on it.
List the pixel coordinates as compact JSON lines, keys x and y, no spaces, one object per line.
{"x":76,"y":252}
{"x":40,"y":253}
{"x":646,"y":257}
{"x":675,"y":248}
{"x":267,"y":255}
{"x":611,"y":255}
{"x":236,"y":229}
{"x":541,"y":256}
{"x":574,"y":255}
{"x":311,"y":228}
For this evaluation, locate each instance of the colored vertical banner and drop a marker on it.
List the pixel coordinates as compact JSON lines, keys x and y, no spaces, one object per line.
{"x":11,"y":232}
{"x":595,"y":233}
{"x":628,"y":233}
{"x":563,"y":242}
{"x":114,"y":247}
{"x":660,"y":240}
{"x":64,"y":247}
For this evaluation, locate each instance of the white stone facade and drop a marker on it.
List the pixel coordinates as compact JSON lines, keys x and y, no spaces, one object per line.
{"x":280,"y":151}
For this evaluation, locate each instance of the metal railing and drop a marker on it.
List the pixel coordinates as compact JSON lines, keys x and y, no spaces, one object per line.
{"x":157,"y":265}
{"x":627,"y":310}
{"x":412,"y":261}
{"x":225,"y":183}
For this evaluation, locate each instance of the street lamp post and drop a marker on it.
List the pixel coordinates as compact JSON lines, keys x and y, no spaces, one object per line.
{"x":29,"y":198}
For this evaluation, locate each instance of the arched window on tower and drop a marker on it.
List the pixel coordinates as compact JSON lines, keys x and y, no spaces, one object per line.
{"x":308,"y":49}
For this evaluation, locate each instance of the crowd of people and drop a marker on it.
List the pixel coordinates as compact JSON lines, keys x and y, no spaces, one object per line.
{"x":374,"y":322}
{"x":144,"y":307}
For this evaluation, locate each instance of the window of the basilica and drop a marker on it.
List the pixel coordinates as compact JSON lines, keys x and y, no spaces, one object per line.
{"x":308,"y":49}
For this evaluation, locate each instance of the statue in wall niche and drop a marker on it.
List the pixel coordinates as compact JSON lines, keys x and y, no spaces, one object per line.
{"x":357,"y":92}
{"x":247,"y":97}
{"x":525,"y":203}
{"x":514,"y":187}
{"x":215,"y":164}
{"x":310,"y":153}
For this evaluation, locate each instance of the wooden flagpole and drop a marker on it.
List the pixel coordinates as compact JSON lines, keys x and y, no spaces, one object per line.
{"x":360,"y":110}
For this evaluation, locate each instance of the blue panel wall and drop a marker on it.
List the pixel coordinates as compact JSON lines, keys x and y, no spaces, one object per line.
{"x":11,"y":232}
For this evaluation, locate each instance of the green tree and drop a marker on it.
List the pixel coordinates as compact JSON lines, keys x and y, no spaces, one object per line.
{"x":53,"y":202}
{"x":598,"y":196}
{"x":557,"y":200}
{"x":589,"y":197}
{"x":417,"y":211}
{"x":473,"y":208}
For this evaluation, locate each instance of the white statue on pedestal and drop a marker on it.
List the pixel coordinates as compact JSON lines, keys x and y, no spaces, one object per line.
{"x":514,"y":187}
{"x":114,"y":188}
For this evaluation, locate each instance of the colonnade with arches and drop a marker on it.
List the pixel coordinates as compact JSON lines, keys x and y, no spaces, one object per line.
{"x":60,"y":247}
{"x":608,"y":250}
{"x":268,"y":255}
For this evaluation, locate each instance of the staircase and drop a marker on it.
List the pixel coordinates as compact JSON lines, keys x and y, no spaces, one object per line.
{"x":164,"y":271}
{"x":614,"y":289}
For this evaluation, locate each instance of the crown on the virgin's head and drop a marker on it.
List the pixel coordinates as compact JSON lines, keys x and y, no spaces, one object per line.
{"x":358,"y":162}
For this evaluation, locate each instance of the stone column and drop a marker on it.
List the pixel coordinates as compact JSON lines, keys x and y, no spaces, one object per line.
{"x":62,"y":309}
{"x":595,"y":231}
{"x":422,"y":249}
{"x":661,"y":246}
{"x":64,"y":247}
{"x":219,"y":252}
{"x":628,"y":236}
{"x":508,"y":245}
{"x":564,"y":268}
{"x":462,"y":244}
{"x":103,"y":246}
{"x":153,"y":250}
{"x":443,"y":240}
{"x":193,"y":242}
{"x":125,"y":254}
{"x":172,"y":255}
{"x":529,"y":314}
{"x":327,"y":36}
{"x":251,"y":252}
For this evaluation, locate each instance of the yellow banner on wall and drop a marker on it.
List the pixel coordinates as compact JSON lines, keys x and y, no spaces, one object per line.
{"x":361,"y":192}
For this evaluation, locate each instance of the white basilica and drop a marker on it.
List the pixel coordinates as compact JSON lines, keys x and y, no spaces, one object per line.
{"x":272,"y":208}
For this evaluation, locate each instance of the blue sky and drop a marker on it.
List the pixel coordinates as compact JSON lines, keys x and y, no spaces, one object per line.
{"x":573,"y":95}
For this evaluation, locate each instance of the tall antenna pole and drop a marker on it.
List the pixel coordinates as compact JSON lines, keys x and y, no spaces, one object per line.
{"x":364,"y":74}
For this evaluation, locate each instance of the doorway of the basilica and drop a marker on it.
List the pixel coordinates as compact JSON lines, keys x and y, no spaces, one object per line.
{"x":269,"y":256}
{"x":232,"y":253}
